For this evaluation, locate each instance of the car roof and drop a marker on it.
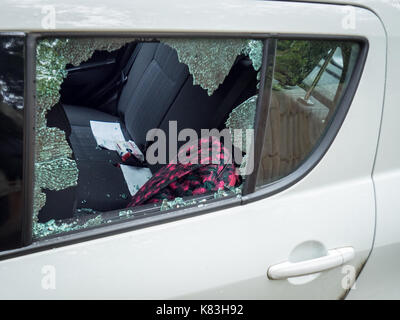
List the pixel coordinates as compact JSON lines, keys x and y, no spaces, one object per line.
{"x":154,"y":15}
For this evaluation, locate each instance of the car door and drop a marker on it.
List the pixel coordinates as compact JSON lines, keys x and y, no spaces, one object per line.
{"x":321,"y":218}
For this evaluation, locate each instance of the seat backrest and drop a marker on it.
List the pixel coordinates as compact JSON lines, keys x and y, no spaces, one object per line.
{"x":153,"y":83}
{"x":159,"y":89}
{"x":193,"y":108}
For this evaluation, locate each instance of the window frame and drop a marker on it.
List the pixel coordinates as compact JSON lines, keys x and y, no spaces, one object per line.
{"x":250,"y":192}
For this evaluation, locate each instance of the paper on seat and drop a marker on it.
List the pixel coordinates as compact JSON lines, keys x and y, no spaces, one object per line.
{"x":135,"y":177}
{"x":107,"y":134}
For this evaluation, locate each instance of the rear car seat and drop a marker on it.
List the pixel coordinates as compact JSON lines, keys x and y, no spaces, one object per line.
{"x":159,"y":89}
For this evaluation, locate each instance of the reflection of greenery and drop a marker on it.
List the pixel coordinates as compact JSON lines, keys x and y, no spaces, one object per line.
{"x":295,"y":59}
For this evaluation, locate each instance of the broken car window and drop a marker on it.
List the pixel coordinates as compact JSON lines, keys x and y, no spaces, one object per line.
{"x":129,"y":125}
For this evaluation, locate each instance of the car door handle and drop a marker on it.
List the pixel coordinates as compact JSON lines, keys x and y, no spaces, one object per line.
{"x":333,"y":259}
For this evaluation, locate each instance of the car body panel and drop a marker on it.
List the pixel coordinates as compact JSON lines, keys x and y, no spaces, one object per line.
{"x":380,"y":276}
{"x":179,"y":15}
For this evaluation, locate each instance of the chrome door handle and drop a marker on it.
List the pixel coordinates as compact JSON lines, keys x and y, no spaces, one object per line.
{"x":334,"y":258}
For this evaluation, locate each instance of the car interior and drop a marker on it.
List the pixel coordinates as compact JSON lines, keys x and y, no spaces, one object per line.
{"x":140,"y":86}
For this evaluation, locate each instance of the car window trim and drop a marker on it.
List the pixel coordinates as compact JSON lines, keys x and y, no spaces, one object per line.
{"x":262,"y":111}
{"x":29,"y":138}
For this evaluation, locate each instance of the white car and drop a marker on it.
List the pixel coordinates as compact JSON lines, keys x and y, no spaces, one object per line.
{"x":97,"y":99}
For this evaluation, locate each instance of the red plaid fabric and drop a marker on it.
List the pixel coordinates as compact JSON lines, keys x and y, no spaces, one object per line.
{"x":207,"y":170}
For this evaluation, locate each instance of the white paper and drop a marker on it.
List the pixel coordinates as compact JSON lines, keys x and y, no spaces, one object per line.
{"x":107,"y":134}
{"x":135,"y":177}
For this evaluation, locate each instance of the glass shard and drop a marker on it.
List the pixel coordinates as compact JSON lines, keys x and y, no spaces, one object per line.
{"x":210,"y":60}
{"x":54,"y":167}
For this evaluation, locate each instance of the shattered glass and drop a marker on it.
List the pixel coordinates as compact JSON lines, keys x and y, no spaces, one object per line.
{"x":208,"y":60}
{"x":180,"y":202}
{"x":254,"y":49}
{"x":125,"y":213}
{"x":242,"y":117}
{"x":54,"y":167}
{"x":176,"y":203}
{"x":53,"y":227}
{"x":221,"y":193}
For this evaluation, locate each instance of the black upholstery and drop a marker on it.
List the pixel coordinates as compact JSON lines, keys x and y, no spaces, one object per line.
{"x":145,"y":102}
{"x":194,"y":108}
{"x":159,"y":89}
{"x":81,"y":116}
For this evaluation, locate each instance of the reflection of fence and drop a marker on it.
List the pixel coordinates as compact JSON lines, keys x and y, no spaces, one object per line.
{"x":292,"y":131}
